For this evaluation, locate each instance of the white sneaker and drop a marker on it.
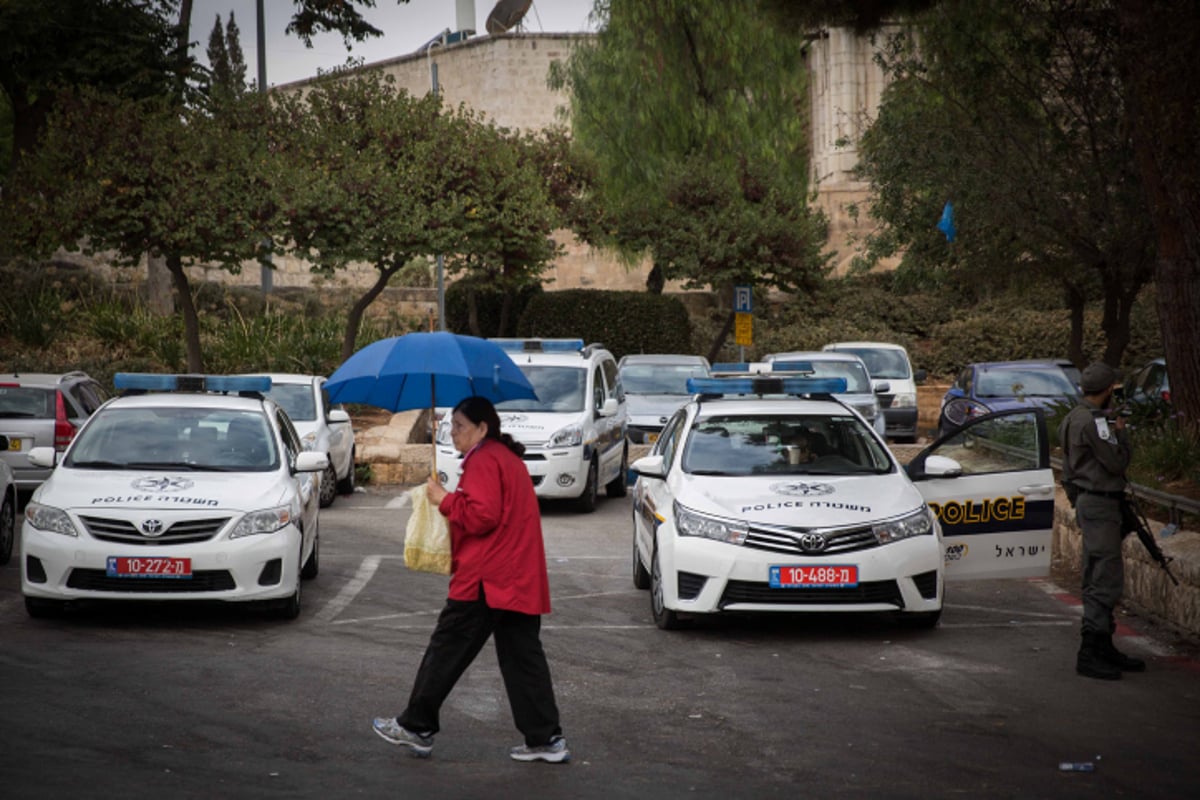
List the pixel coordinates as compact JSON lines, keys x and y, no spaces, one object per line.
{"x":420,"y":745}
{"x":556,"y":752}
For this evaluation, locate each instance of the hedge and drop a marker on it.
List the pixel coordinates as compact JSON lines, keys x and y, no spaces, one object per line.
{"x":624,"y":322}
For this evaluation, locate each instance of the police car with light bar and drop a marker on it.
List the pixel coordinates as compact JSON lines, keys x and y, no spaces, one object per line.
{"x":186,"y":487}
{"x":574,"y":432}
{"x":767,"y":494}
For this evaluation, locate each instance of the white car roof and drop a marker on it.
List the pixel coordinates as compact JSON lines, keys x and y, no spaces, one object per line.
{"x":187,"y":400}
{"x":752,"y":405}
{"x":877,"y":345}
{"x":554,"y":359}
{"x":815,"y":355}
{"x":288,"y":377}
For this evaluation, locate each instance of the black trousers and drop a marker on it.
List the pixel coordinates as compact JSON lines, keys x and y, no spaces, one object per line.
{"x":462,"y":629}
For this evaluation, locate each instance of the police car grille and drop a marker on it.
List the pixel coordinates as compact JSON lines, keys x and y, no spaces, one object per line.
{"x":762,"y":594}
{"x":787,"y":540}
{"x":203,"y":580}
{"x":186,"y":531}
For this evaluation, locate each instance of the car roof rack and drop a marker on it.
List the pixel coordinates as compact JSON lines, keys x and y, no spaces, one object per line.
{"x":131,"y":383}
{"x":760,"y":385}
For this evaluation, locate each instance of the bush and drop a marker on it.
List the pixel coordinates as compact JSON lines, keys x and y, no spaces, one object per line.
{"x":489,"y":303}
{"x":625,"y":322}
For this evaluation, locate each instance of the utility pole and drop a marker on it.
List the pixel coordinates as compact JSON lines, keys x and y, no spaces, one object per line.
{"x":266,"y":273}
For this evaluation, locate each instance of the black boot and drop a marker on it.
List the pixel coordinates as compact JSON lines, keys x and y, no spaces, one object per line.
{"x":1091,"y":663}
{"x":1109,"y":652}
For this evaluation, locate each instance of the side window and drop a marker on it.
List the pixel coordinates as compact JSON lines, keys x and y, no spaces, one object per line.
{"x":290,"y":440}
{"x":87,"y":397}
{"x":964,"y":381}
{"x":1009,"y":443}
{"x":325,"y":404}
{"x":613,"y":379}
{"x":597,"y":389}
{"x":669,"y":440}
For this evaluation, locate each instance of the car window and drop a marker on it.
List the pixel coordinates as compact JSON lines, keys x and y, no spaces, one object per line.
{"x":612,"y":380}
{"x":175,"y":438}
{"x":669,"y":440}
{"x":598,"y":393}
{"x":291,"y":440}
{"x":1005,"y":444}
{"x":660,"y":378}
{"x":558,"y":389}
{"x":26,"y":402}
{"x":881,"y":363}
{"x":296,"y":399}
{"x":325,"y":404}
{"x":90,"y":396}
{"x":857,"y":379}
{"x":731,"y":444}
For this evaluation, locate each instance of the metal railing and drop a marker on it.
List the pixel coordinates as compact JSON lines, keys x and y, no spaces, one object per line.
{"x":1176,"y":505}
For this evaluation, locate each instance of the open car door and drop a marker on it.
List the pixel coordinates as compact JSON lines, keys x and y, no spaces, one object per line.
{"x":992,"y":488}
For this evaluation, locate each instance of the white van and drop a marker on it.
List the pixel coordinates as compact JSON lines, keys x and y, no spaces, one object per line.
{"x":889,"y":363}
{"x":574,"y":433}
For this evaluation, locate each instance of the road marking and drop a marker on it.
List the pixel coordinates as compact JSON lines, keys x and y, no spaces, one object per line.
{"x":350,"y":590}
{"x":398,"y":502}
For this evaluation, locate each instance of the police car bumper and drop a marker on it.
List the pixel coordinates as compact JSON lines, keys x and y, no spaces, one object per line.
{"x":557,"y":473}
{"x":703,"y":576}
{"x":256,"y":567}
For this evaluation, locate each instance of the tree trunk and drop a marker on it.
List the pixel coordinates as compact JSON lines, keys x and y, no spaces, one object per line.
{"x":472,"y":312}
{"x":159,"y":299}
{"x":191,"y":322}
{"x":1076,"y":301}
{"x":719,"y":342}
{"x":355,"y":315}
{"x":655,"y":280}
{"x":506,"y":303}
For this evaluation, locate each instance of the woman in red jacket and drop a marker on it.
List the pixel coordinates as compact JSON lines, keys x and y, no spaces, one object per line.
{"x":498,"y":587}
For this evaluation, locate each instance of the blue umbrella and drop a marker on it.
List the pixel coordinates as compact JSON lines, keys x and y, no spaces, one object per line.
{"x":424,"y":370}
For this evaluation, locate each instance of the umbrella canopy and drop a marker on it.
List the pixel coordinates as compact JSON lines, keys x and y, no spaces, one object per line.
{"x":424,"y":370}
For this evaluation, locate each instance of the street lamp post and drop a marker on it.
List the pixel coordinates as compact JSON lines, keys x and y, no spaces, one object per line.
{"x":441,"y":274}
{"x":266,"y":273}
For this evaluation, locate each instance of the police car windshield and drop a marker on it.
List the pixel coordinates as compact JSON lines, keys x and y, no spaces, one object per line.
{"x":558,"y":389}
{"x":1048,"y":382}
{"x":660,"y":378}
{"x":175,"y":438}
{"x":729,"y":444}
{"x":296,"y":399}
{"x":881,"y":363}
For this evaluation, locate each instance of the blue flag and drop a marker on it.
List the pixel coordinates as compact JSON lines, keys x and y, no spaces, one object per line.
{"x":946,"y":223}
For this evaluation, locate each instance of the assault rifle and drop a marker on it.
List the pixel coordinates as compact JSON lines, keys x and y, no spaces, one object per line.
{"x":1134,"y":521}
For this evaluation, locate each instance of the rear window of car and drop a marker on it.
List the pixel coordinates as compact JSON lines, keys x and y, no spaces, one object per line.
{"x":881,"y":363}
{"x":296,"y":399}
{"x":26,"y":402}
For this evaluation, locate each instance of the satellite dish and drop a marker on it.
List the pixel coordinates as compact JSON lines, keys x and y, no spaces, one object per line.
{"x":506,"y":14}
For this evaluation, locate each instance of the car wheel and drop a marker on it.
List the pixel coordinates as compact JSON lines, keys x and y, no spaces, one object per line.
{"x":664,"y":618}
{"x":40,"y":608}
{"x":641,"y":578}
{"x":8,"y":528}
{"x":586,"y":502}
{"x":618,"y":486}
{"x":328,"y":486}
{"x":346,"y":484}
{"x":313,"y":565}
{"x":290,"y":608}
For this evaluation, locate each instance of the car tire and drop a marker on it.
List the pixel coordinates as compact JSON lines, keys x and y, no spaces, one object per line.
{"x":586,"y":502}
{"x":329,"y":489}
{"x":619,"y":486}
{"x":41,"y":608}
{"x":346,"y":484}
{"x":8,"y":528}
{"x":664,"y":618}
{"x":313,"y":565}
{"x":641,"y":576}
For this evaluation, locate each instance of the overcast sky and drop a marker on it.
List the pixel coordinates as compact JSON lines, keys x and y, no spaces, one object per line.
{"x":406,"y":27}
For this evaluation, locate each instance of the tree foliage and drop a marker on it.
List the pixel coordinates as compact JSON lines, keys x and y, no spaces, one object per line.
{"x":227,"y":64}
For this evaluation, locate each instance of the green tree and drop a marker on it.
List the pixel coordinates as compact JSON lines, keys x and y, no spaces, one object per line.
{"x":702,"y":101}
{"x":227,"y":65}
{"x":1011,"y":110}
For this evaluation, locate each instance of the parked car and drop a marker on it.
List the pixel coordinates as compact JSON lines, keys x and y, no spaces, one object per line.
{"x":8,"y":507}
{"x":43,"y":410}
{"x":655,"y":388}
{"x":1149,"y":386}
{"x":986,"y":387}
{"x":861,"y":394}
{"x":322,"y":427}
{"x":766,"y":495}
{"x":190,"y":487}
{"x":889,"y":364}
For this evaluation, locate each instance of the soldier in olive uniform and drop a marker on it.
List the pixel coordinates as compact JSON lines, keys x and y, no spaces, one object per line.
{"x":1096,"y":452}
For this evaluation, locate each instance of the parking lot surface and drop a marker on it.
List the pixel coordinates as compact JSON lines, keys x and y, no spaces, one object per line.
{"x":202,"y":701}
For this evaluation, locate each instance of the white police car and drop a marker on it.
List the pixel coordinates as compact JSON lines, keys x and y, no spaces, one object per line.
{"x":767,"y":494}
{"x":187,"y":487}
{"x":574,"y":432}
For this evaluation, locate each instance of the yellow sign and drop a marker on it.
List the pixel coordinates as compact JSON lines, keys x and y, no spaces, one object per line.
{"x":743,"y":329}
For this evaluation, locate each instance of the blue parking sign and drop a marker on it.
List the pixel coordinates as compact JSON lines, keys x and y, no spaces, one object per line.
{"x":742,"y":299}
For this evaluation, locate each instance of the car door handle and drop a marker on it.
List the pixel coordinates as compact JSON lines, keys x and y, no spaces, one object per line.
{"x":1038,"y":489}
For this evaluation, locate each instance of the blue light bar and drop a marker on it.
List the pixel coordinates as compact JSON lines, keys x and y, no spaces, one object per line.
{"x":766,"y":385}
{"x":150,"y":382}
{"x":791,"y":366}
{"x":731,"y":366}
{"x":539,"y":345}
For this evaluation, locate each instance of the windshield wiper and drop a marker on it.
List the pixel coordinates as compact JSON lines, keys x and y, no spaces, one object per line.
{"x":707,"y":472}
{"x":97,"y":464}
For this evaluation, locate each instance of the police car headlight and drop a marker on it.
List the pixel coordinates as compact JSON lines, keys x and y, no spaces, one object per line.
{"x":570,"y":436}
{"x":46,"y":518}
{"x":691,"y":523}
{"x":918,"y":523}
{"x":266,"y":521}
{"x":443,"y":431}
{"x":904,"y":400}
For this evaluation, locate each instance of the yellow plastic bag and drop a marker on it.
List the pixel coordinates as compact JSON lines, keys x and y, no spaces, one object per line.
{"x":427,"y":537}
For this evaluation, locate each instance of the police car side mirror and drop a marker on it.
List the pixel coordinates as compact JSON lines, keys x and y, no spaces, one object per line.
{"x":44,"y":457}
{"x":338,"y":415}
{"x":610,"y":407}
{"x":883,"y":387}
{"x":650,"y":467}
{"x":311,"y":462}
{"x":942,"y":467}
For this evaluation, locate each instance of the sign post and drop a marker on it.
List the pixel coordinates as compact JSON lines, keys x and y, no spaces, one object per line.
{"x":743,"y":328}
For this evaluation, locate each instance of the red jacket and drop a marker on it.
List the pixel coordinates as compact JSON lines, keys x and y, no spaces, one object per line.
{"x":496,"y":533}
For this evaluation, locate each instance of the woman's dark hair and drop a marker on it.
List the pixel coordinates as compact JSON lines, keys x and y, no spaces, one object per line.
{"x":480,"y":409}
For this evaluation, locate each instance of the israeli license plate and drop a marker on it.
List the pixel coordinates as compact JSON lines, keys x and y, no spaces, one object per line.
{"x":148,"y":567}
{"x":826,"y":576}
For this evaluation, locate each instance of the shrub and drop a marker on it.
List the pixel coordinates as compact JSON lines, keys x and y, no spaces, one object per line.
{"x":489,"y":302}
{"x":625,"y":322}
